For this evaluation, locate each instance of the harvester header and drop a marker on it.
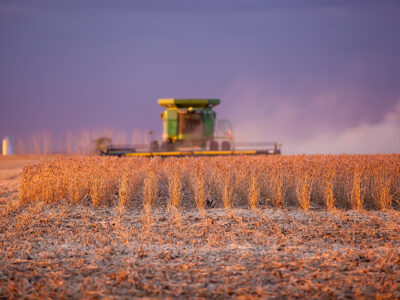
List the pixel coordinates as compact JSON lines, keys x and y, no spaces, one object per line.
{"x":190,"y":128}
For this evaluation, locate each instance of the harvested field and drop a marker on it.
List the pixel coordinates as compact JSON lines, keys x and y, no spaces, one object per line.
{"x":98,"y":227}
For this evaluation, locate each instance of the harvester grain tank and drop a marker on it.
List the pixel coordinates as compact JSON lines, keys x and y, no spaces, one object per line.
{"x":190,"y":127}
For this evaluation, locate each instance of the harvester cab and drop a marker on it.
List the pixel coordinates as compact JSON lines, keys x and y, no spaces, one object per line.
{"x":190,"y":128}
{"x":190,"y":124}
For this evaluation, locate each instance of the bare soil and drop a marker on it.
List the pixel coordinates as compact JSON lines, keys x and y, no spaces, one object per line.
{"x":11,"y":167}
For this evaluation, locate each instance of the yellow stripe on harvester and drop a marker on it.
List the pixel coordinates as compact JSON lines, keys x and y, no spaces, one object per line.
{"x":245,"y":152}
{"x":224,"y":152}
{"x":186,"y":153}
{"x":212,"y":152}
{"x":172,"y":153}
{"x":175,"y":153}
{"x":138,"y":154}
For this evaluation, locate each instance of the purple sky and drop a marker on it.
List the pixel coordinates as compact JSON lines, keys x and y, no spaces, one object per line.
{"x":318,"y":76}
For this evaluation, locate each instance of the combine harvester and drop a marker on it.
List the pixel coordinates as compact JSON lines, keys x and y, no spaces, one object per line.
{"x":190,"y":128}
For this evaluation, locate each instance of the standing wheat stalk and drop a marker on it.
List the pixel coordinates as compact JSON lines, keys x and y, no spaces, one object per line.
{"x":150,"y":188}
{"x":328,"y":183}
{"x":382,"y":184}
{"x":124,"y":191}
{"x":303,"y":191}
{"x":228,"y":188}
{"x":199,"y":187}
{"x":356,"y":197}
{"x":254,"y":193}
{"x":385,"y":199}
{"x":174,"y":188}
{"x":277,"y":188}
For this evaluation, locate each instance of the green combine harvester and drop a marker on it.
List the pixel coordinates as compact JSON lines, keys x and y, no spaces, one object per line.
{"x":190,"y":128}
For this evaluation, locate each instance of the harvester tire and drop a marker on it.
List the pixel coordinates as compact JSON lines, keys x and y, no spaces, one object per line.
{"x":154,"y":146}
{"x":213,"y":146}
{"x":226,"y":146}
{"x":166,"y":146}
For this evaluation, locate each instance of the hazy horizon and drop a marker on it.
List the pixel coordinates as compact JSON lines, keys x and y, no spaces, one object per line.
{"x":316,"y":76}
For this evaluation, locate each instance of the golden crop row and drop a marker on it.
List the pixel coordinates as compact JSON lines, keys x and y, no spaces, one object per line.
{"x":333,"y":181}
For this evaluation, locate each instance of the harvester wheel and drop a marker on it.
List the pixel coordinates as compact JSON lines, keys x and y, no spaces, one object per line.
{"x":154,"y":146}
{"x":213,"y":146}
{"x":226,"y":146}
{"x":166,"y":146}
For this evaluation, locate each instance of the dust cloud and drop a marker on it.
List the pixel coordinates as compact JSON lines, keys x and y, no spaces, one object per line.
{"x":383,"y":137}
{"x":329,"y":121}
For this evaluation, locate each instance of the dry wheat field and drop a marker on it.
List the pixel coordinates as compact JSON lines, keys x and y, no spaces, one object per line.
{"x":323,"y":226}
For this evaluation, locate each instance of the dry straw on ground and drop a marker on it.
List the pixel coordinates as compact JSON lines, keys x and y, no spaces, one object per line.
{"x":341,"y":181}
{"x":78,"y":251}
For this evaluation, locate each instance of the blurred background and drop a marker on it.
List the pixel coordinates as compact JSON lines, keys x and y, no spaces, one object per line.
{"x":317,"y":76}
